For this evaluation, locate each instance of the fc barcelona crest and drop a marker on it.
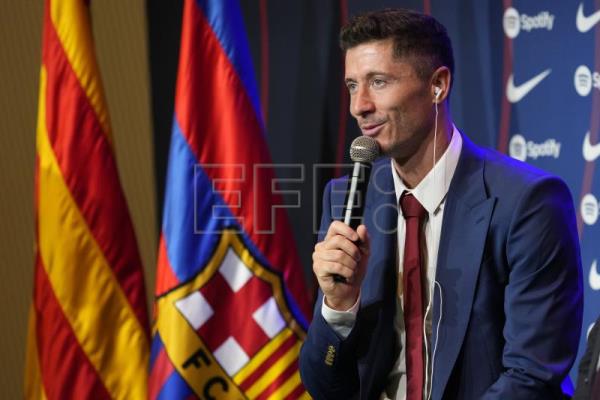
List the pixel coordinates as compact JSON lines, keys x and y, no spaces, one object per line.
{"x":229,"y":332}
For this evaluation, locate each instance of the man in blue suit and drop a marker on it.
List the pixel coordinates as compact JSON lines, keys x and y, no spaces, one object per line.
{"x":495,"y":309}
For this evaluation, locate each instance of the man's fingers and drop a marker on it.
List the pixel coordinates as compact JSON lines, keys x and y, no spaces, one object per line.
{"x":364,"y":240}
{"x":339,"y":228}
{"x":327,"y":269}
{"x":341,"y":243}
{"x":338,"y":256}
{"x":336,"y":260}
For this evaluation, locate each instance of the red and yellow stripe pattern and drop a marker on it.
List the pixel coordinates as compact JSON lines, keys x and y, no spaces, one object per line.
{"x":88,"y":332}
{"x":273,"y":373}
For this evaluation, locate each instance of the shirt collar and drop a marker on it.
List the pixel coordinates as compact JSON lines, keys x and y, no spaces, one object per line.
{"x":432,"y":189}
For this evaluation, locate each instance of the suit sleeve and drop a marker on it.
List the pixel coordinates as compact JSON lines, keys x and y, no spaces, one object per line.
{"x":543,"y":299}
{"x":327,"y":362}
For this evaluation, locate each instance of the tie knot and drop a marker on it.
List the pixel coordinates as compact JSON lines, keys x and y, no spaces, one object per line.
{"x":411,"y":207}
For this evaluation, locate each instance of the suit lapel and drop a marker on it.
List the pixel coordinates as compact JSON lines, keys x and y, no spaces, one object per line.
{"x":381,"y":220}
{"x":467,"y":216}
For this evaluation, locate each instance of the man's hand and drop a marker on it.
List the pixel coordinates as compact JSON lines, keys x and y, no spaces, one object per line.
{"x":343,"y":252}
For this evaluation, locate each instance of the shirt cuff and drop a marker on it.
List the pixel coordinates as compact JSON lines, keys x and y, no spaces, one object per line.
{"x":341,"y":322}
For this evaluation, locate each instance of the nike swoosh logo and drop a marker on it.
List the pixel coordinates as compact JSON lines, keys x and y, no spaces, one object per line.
{"x":594,"y":276}
{"x":590,"y":151}
{"x":514,"y":94}
{"x":584,"y":23}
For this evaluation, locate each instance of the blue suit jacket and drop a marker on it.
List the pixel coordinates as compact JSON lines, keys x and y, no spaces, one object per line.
{"x":511,"y":288}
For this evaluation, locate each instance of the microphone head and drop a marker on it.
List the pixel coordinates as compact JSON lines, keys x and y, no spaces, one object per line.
{"x":364,"y":149}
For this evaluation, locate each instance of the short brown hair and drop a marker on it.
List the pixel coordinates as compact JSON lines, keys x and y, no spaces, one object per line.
{"x":415,"y":35}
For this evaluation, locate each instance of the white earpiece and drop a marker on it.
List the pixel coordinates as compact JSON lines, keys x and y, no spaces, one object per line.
{"x":437,"y":91}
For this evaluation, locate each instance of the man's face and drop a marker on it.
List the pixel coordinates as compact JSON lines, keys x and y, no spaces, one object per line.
{"x":388,"y":99}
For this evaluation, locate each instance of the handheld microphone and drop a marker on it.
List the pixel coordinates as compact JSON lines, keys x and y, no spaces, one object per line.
{"x":363,"y":151}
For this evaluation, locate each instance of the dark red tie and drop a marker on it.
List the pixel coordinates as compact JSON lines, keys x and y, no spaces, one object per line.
{"x":414,"y":214}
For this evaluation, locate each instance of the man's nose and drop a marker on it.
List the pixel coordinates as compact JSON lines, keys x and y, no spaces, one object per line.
{"x":361,"y":103}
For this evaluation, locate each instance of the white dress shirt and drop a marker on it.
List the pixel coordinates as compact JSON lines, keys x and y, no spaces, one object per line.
{"x":431,"y":193}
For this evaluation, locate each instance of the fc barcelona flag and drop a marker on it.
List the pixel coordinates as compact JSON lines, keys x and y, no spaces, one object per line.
{"x":89,"y":336}
{"x":231,"y":309}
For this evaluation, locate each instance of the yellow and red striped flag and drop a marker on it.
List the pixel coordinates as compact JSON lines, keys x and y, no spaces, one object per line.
{"x":88,"y":331}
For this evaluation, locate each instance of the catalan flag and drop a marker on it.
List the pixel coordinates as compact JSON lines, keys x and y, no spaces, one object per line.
{"x":231,"y":309}
{"x":88,"y":332}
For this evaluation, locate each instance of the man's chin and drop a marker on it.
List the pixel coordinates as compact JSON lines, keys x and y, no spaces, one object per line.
{"x":390,"y":150}
{"x":385,"y":148}
{"x":393,"y":150}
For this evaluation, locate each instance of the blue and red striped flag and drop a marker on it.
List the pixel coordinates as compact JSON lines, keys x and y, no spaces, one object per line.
{"x":89,"y":334}
{"x":231,"y":309}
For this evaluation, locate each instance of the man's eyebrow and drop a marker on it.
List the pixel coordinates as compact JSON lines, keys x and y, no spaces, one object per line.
{"x":370,"y":75}
{"x":373,"y":73}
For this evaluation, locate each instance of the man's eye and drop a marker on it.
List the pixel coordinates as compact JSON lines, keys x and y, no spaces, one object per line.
{"x":351,"y":86}
{"x":377,"y":83}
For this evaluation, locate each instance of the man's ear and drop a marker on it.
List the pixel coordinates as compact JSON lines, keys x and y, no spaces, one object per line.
{"x":441,"y":80}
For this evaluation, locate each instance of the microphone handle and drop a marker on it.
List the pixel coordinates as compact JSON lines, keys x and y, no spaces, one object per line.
{"x":355,"y":197}
{"x":355,"y":200}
